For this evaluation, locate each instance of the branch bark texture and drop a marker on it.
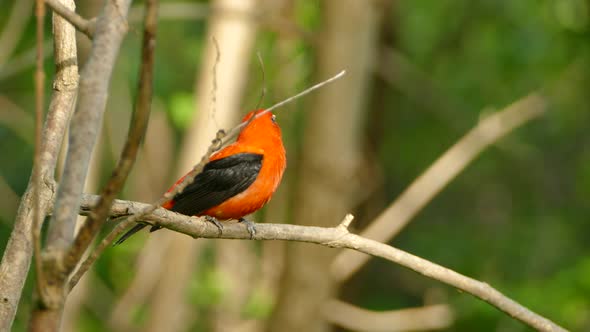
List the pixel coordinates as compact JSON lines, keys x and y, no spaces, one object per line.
{"x":334,"y":237}
{"x":36,"y":174}
{"x":94,"y":82}
{"x":17,"y":255}
{"x":84,"y":126}
{"x":87,"y":27}
{"x":137,"y":129}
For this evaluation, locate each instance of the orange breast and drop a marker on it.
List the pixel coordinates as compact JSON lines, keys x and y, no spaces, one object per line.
{"x":258,"y":194}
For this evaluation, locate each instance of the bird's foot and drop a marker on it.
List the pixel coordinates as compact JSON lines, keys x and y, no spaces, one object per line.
{"x":250,"y":226}
{"x":215,"y":222}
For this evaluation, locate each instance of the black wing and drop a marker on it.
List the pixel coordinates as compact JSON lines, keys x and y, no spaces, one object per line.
{"x":220,"y":180}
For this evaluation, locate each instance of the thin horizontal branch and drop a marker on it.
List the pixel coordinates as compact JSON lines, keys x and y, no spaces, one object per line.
{"x":393,"y":219}
{"x":83,"y":25}
{"x":335,"y":237}
{"x":432,"y":317}
{"x":173,"y":11}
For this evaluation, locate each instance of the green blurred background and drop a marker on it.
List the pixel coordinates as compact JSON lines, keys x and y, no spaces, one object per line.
{"x":517,"y":217}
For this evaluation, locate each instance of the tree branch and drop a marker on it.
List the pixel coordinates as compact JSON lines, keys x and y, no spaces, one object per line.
{"x":392,"y":220}
{"x":335,"y":237}
{"x":101,"y":247}
{"x":174,"y":11}
{"x":17,"y":255}
{"x":167,"y":12}
{"x":94,"y":82}
{"x":137,"y":129}
{"x":432,"y":317}
{"x":36,"y":177}
{"x":83,"y":25}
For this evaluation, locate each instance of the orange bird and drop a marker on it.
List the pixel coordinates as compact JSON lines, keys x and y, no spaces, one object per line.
{"x":238,"y":179}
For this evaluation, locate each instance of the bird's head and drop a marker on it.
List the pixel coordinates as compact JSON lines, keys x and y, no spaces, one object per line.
{"x":264,"y":134}
{"x":262,"y":126}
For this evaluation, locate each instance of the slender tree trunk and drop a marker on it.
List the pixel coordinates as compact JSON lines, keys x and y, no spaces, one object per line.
{"x":16,"y":258}
{"x":330,"y":161}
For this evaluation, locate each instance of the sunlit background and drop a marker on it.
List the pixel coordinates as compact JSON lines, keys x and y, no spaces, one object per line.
{"x":421,"y":74}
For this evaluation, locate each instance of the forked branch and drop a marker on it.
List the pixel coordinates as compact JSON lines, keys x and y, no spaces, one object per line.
{"x":83,"y":25}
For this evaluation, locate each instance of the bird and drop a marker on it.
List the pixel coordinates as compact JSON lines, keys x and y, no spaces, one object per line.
{"x":237,"y":180}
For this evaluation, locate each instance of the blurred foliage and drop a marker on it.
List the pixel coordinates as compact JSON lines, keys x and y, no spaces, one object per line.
{"x":516,"y":218}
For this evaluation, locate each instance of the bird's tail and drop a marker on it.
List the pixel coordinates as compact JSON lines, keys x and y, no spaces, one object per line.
{"x":134,"y":230}
{"x":130,"y":232}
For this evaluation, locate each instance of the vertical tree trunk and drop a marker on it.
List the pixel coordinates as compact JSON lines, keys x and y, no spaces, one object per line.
{"x":16,"y":258}
{"x":331,"y":157}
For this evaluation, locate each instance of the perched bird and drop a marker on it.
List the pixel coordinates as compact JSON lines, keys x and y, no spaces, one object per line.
{"x":238,"y":179}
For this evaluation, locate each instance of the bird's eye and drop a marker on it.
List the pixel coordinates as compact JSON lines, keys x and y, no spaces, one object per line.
{"x":274,"y":118}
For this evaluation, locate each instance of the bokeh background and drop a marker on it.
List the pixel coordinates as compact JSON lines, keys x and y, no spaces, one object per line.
{"x":420,"y":75}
